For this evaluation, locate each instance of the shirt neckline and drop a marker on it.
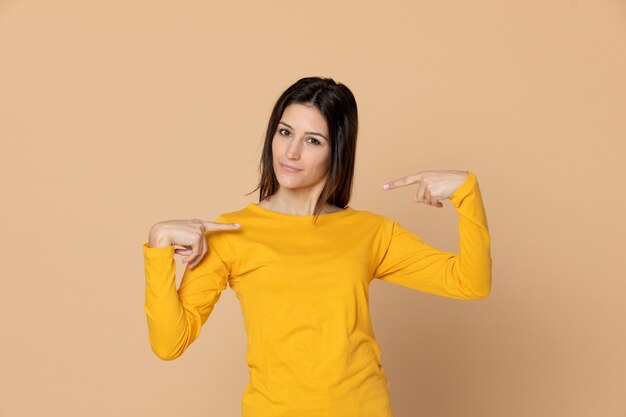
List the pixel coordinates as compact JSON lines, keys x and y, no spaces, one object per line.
{"x":299,"y":217}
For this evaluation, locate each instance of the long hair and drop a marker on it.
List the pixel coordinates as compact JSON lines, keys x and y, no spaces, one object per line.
{"x":338,"y":106}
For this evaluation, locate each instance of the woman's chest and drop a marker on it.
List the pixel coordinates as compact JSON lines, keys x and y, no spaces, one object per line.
{"x":301,"y":262}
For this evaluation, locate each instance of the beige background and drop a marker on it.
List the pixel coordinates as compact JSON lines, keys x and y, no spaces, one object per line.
{"x":115,"y":115}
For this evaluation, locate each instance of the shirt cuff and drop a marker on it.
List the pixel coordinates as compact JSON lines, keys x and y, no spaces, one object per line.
{"x":164,"y":253}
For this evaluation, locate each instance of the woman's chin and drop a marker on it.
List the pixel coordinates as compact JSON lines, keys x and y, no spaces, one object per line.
{"x":289,"y":185}
{"x":292,"y":184}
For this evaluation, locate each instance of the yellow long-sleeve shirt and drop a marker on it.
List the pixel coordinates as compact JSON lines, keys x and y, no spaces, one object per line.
{"x":304,"y":295}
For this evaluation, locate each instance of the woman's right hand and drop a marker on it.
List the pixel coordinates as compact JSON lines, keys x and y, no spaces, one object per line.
{"x":190,"y":234}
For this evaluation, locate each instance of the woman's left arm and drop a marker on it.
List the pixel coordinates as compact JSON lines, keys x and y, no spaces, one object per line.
{"x":410,"y":262}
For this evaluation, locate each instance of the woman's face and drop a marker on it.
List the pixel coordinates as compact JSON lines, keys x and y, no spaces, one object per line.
{"x":301,"y":141}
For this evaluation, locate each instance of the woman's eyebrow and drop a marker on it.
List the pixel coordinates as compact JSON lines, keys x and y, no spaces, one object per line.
{"x":308,"y":133}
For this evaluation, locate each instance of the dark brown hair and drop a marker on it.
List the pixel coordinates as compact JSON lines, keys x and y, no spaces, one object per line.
{"x":338,"y":106}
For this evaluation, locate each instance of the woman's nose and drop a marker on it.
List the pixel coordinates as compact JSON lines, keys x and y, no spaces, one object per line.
{"x":293,"y":150}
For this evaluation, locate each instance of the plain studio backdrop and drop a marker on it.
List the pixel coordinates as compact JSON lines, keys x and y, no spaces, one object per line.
{"x":116,"y":115}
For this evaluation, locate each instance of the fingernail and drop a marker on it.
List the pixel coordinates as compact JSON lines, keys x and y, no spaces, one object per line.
{"x":386,"y":186}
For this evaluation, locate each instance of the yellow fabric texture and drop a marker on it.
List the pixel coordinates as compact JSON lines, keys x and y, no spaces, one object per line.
{"x":303,"y":288}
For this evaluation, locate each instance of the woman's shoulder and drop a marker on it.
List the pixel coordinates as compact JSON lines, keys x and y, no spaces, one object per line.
{"x":370,"y":216}
{"x":234,"y":215}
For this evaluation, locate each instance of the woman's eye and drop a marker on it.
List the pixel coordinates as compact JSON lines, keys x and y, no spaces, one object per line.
{"x":285,"y":132}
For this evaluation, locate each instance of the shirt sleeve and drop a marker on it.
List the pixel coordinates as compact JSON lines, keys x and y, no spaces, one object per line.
{"x":175,"y":317}
{"x":404,"y":259}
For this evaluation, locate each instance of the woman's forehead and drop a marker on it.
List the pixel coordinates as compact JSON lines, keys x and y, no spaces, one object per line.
{"x":305,"y":117}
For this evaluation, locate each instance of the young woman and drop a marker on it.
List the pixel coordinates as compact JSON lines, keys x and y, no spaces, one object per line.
{"x":301,"y":261}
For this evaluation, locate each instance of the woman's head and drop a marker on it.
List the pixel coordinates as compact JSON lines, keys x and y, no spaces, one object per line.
{"x":324,"y":120}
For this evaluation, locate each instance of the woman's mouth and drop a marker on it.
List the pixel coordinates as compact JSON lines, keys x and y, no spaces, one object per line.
{"x":289,"y":168}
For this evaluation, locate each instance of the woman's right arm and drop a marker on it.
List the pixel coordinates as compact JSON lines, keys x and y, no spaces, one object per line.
{"x":175,"y":317}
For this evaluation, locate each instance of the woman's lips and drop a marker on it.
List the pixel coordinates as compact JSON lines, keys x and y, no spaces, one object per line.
{"x":290,"y":169}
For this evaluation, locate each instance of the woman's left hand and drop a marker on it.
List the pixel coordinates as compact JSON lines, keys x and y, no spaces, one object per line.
{"x":432,"y":186}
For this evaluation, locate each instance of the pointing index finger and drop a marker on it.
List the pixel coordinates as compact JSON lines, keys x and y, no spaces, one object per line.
{"x":401,"y":182}
{"x":219,"y":226}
